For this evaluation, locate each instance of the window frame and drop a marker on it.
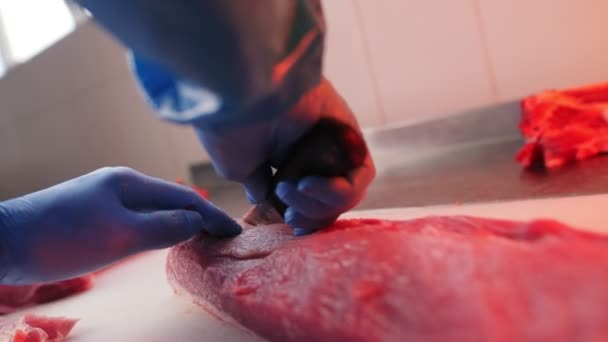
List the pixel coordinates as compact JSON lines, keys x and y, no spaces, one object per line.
{"x":7,"y":60}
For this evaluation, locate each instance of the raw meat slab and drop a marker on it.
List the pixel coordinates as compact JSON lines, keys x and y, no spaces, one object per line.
{"x":563,"y":126}
{"x":454,"y":278}
{"x":33,"y":328}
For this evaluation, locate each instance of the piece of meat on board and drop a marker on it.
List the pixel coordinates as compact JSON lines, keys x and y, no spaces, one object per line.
{"x":431,"y":279}
{"x":13,"y":298}
{"x":562,"y":126}
{"x":33,"y":328}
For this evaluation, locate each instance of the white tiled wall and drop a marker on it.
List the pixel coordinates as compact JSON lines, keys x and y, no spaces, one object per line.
{"x":75,"y":107}
{"x":427,"y":56}
{"x":545,"y":43}
{"x":347,"y":61}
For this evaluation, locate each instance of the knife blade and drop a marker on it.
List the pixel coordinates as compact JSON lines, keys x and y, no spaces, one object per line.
{"x":330,"y":148}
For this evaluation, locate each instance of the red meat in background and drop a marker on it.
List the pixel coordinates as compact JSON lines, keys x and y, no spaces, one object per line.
{"x":33,"y":328}
{"x":562,"y":126}
{"x":13,"y":298}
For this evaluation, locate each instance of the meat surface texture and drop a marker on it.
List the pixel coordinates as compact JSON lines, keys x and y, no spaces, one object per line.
{"x":564,"y":126}
{"x":13,"y":298}
{"x":431,"y":279}
{"x":33,"y":328}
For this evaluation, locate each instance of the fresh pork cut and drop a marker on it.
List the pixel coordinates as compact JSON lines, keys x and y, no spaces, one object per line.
{"x":430,"y":279}
{"x":562,"y":126}
{"x":33,"y":328}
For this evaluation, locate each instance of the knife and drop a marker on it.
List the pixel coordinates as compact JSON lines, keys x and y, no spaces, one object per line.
{"x":330,"y":148}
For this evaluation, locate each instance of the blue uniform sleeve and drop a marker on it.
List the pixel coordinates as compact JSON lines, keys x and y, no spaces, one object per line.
{"x":217,"y":63}
{"x":173,"y":99}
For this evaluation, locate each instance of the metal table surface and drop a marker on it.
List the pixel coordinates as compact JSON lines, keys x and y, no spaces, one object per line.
{"x":480,"y":173}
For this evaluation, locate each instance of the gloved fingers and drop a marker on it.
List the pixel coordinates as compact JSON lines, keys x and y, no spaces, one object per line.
{"x":303,"y":225}
{"x":161,"y":229}
{"x":339,"y":192}
{"x":256,"y":185}
{"x":141,"y":192}
{"x":303,"y":203}
{"x":216,"y":222}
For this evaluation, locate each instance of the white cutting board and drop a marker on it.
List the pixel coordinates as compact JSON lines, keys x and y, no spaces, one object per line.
{"x":133,"y":302}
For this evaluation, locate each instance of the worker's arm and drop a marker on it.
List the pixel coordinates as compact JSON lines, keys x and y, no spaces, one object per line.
{"x":236,"y":53}
{"x":92,"y":221}
{"x":247,"y":76}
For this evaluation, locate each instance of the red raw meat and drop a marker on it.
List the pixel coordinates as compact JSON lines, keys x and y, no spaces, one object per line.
{"x":432,"y":279}
{"x":13,"y":298}
{"x":33,"y":328}
{"x":564,"y":126}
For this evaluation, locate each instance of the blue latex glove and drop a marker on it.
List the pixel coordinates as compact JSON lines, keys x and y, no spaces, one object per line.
{"x":245,"y":154}
{"x":92,"y":221}
{"x":241,"y":71}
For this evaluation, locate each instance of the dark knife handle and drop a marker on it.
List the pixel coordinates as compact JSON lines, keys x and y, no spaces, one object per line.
{"x":329,"y":149}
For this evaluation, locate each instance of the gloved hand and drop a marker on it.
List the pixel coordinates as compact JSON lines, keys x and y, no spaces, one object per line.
{"x":91,"y":221}
{"x":234,"y":72}
{"x":245,"y":151}
{"x":245,"y":154}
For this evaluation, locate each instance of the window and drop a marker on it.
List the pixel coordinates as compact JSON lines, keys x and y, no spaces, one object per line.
{"x":28,"y":27}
